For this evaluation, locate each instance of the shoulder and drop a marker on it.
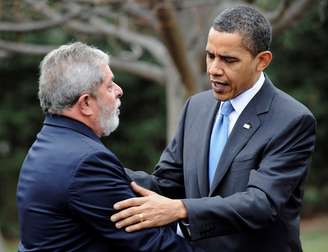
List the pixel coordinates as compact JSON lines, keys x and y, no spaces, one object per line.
{"x":100,"y":169}
{"x":95,"y":155}
{"x":87,"y":147}
{"x":289,"y":106}
{"x":201,"y":101}
{"x":281,"y":107}
{"x":283,"y":113}
{"x":198,"y":106}
{"x":203,"y":96}
{"x":86,"y":155}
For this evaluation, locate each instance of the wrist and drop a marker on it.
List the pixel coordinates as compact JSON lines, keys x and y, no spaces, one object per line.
{"x":181,"y":210}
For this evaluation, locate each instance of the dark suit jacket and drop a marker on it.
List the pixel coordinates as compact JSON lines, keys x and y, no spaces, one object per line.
{"x":68,"y":184}
{"x":255,"y":201}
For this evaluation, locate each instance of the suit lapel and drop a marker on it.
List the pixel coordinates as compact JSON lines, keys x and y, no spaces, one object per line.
{"x":241,"y":134}
{"x":236,"y":141}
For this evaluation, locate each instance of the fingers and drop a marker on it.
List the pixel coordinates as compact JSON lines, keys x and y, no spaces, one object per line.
{"x":138,"y":226}
{"x":141,"y":190}
{"x":132,"y":223}
{"x":124,"y":214}
{"x":132,"y":220}
{"x":133,"y":202}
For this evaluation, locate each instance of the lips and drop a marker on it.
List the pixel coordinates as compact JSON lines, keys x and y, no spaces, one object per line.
{"x":118,"y":105}
{"x":219,"y":86}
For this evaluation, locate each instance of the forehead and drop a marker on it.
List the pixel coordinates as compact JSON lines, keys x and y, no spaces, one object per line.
{"x":224,"y":42}
{"x":107,"y":72}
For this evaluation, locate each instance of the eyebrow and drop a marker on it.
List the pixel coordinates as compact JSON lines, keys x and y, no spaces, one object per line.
{"x":222,"y":55}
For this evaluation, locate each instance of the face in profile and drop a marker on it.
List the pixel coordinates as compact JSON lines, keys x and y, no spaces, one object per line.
{"x":231,"y":67}
{"x":108,"y":102}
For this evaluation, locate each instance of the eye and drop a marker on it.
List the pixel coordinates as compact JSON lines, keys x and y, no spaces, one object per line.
{"x":229,"y":60}
{"x":110,"y":87}
{"x":210,"y":55}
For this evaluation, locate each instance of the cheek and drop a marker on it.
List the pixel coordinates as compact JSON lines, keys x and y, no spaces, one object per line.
{"x":235,"y":79}
{"x":208,"y":65}
{"x":106,"y":102}
{"x":109,"y":97}
{"x":112,"y":102}
{"x":232,"y":75}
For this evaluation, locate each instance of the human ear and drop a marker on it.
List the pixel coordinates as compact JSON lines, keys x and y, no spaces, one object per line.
{"x":264,"y":59}
{"x":85,"y":104}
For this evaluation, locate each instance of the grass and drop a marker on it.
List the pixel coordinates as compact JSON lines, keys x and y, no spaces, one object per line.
{"x":315,"y":241}
{"x":314,"y":234}
{"x":11,"y":246}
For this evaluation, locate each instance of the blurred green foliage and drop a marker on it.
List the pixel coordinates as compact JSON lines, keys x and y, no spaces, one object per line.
{"x":299,"y":67}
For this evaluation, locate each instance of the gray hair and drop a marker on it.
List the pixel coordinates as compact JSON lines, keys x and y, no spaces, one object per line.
{"x":255,"y":29}
{"x":67,"y":72}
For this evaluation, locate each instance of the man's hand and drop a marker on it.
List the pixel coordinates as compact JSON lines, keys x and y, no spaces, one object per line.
{"x":150,"y":210}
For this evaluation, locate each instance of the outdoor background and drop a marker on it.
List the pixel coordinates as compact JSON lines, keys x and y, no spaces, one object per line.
{"x":158,"y":58}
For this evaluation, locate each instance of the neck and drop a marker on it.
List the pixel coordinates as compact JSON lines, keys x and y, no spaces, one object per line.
{"x":87,"y":120}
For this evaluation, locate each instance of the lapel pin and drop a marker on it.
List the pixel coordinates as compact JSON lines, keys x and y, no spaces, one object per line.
{"x":247,"y":126}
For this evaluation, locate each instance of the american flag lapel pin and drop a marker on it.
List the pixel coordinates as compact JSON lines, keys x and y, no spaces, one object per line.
{"x":247,"y":126}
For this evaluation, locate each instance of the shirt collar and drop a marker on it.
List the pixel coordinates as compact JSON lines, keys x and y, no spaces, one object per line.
{"x":240,"y":102}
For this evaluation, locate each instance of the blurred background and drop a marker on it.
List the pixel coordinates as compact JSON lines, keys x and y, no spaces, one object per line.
{"x":158,"y":58}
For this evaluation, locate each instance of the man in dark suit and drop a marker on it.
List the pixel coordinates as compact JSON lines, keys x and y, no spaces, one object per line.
{"x":69,"y":180}
{"x":240,"y":155}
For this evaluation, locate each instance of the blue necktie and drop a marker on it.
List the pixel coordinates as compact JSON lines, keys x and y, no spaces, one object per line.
{"x":219,"y":136}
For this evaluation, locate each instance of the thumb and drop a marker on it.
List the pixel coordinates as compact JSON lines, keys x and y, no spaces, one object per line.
{"x":140,"y":190}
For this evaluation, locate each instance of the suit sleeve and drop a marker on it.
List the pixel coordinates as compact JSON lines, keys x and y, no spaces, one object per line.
{"x":99,"y":182}
{"x":167,"y":178}
{"x":282,"y":170}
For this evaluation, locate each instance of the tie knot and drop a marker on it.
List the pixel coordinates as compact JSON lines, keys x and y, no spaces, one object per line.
{"x":226,"y":108}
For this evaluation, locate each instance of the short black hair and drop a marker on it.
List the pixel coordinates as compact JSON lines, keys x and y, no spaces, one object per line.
{"x":255,"y":29}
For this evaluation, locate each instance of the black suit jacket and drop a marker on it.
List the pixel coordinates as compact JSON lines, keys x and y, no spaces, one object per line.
{"x":67,"y":187}
{"x":255,"y":201}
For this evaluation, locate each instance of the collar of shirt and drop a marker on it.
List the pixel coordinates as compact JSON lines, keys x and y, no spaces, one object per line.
{"x":240,"y":102}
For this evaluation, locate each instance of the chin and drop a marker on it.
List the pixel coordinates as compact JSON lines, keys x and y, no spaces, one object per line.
{"x":109,"y":124}
{"x":220,"y":96}
{"x":112,"y":126}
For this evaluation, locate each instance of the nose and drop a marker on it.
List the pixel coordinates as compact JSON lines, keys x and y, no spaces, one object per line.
{"x":119,"y":90}
{"x":215,"y":68}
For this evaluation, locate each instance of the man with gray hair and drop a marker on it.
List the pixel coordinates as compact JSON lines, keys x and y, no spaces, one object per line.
{"x":69,"y":180}
{"x":240,"y":155}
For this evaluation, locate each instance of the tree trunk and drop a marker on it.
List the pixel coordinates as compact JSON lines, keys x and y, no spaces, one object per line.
{"x":176,"y":46}
{"x":175,"y":98}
